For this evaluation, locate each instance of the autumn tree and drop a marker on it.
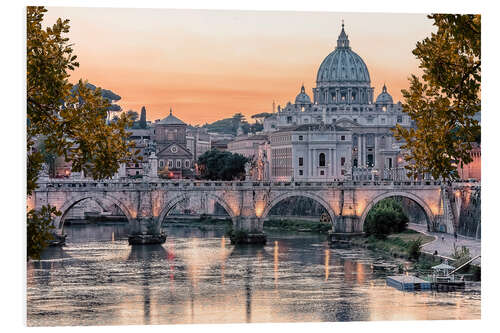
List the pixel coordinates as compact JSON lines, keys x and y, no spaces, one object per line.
{"x":66,"y":122}
{"x":445,"y":99}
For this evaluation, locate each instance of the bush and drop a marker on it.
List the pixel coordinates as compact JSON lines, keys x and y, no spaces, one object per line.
{"x":386,"y":217}
{"x":414,"y":249}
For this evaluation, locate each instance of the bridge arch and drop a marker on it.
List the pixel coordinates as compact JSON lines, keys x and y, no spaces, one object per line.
{"x":409,"y":195}
{"x":173,"y":202}
{"x":291,"y":194}
{"x":102,"y":200}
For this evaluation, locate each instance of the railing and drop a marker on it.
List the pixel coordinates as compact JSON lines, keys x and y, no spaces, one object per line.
{"x":130,"y":184}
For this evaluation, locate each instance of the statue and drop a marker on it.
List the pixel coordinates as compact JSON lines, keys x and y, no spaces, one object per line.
{"x":248,"y":165}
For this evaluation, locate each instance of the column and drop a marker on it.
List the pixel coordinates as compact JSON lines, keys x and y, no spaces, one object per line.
{"x":363,"y":154}
{"x":349,"y":95}
{"x":335,"y":167}
{"x":313,"y":162}
{"x":375,"y":152}
{"x":309,"y":162}
{"x":330,"y":163}
{"x":359,"y":150}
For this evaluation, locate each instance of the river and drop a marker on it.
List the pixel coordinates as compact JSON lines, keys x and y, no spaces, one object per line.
{"x":197,"y":276}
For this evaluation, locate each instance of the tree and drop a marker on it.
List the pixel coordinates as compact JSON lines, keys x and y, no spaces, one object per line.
{"x":447,"y":98}
{"x":67,"y":123}
{"x":142,"y":120}
{"x":386,"y":217}
{"x":221,"y":165}
{"x":133,"y":115}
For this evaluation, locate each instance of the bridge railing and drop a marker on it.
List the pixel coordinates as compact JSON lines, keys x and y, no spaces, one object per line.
{"x":148,"y":184}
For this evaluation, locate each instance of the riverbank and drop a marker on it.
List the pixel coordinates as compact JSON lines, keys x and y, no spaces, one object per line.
{"x":298,"y":225}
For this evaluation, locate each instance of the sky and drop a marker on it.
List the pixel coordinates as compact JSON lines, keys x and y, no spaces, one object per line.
{"x":210,"y":64}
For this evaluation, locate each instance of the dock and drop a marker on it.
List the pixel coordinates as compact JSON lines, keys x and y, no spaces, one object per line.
{"x":408,"y":283}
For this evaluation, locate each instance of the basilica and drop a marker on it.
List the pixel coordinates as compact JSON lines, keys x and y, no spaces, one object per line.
{"x":343,"y":132}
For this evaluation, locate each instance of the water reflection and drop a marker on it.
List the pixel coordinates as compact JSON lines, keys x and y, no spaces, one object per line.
{"x":198,"y":277}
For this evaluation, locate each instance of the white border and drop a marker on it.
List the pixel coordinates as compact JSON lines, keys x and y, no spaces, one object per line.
{"x":13,"y":164}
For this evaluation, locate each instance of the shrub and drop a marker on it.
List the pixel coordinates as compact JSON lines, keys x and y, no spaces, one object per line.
{"x":386,"y":217}
{"x":414,"y":249}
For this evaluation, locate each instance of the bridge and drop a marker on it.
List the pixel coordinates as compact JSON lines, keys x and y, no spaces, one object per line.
{"x":147,"y":202}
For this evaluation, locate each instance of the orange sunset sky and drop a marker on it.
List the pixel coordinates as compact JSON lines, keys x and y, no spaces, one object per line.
{"x":210,"y":64}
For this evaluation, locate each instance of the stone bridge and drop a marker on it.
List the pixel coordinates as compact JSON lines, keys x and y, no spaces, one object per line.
{"x":146,"y":203}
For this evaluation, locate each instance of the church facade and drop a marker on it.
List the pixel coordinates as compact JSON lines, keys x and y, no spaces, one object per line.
{"x":343,"y":132}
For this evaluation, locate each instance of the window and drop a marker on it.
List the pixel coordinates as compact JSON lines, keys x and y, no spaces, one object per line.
{"x":370,"y":160}
{"x":355,"y":162}
{"x":186,"y":163}
{"x":136,"y":172}
{"x":322,"y":161}
{"x":342,"y":161}
{"x":301,"y":172}
{"x":301,"y":161}
{"x":342,"y":137}
{"x":162,"y":163}
{"x":382,"y":120}
{"x":322,"y":172}
{"x":301,"y":138}
{"x":137,"y":165}
{"x":178,"y":164}
{"x":389,"y":163}
{"x":170,"y":163}
{"x":400,"y":119}
{"x":289,"y":120}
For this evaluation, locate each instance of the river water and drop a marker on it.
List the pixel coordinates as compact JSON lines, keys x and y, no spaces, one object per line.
{"x":197,"y":276}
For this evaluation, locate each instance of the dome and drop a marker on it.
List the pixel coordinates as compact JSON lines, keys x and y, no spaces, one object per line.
{"x":343,"y":64}
{"x":384,"y":97}
{"x":171,"y":120}
{"x":302,"y":97}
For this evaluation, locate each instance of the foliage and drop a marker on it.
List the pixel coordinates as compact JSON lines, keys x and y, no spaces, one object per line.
{"x":133,"y":115}
{"x":221,"y":165}
{"x":39,"y":226}
{"x":105,"y":93}
{"x":414,"y":247}
{"x":142,"y":120}
{"x":65,"y":120}
{"x":386,"y":217}
{"x":298,"y":225}
{"x":261,"y":115}
{"x":231,"y":125}
{"x":444,"y":103}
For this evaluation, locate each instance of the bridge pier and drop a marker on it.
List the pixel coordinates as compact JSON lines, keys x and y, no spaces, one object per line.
{"x":248,"y":230}
{"x":144,"y":231}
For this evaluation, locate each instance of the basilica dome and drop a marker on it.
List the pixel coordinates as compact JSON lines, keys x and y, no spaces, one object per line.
{"x":384,"y":97}
{"x":343,"y":65}
{"x":302,"y":97}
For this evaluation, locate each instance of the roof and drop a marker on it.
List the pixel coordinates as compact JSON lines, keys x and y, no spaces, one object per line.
{"x":250,"y":137}
{"x":443,"y":266}
{"x":171,"y":120}
{"x":312,"y":127}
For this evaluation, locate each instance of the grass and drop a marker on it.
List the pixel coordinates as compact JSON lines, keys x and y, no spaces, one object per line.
{"x":396,"y":245}
{"x":298,"y":225}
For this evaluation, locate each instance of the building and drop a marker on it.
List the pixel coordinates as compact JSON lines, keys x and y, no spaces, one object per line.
{"x":247,"y":146}
{"x":197,"y":141}
{"x":473,"y":169}
{"x":171,"y":147}
{"x":310,"y":152}
{"x":343,"y":102}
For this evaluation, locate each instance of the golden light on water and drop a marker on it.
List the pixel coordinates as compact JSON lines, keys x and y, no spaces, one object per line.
{"x":223,"y":264}
{"x":276,"y":263}
{"x":327,"y":263}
